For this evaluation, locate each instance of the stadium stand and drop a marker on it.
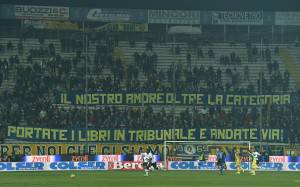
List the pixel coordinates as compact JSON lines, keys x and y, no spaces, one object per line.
{"x":32,"y":70}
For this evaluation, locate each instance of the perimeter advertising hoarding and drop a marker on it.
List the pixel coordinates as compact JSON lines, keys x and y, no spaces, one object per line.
{"x":41,"y":12}
{"x":237,"y":18}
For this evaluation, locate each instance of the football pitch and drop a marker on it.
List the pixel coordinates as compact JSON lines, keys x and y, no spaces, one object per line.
{"x":155,"y":179}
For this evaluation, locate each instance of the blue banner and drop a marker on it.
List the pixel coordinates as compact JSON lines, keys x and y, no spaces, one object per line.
{"x":52,"y":166}
{"x":264,"y":166}
{"x":172,"y":165}
{"x":34,"y":134}
{"x":166,"y":98}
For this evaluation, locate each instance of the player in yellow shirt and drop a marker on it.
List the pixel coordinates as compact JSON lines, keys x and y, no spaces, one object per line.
{"x":254,"y":161}
{"x":238,"y":161}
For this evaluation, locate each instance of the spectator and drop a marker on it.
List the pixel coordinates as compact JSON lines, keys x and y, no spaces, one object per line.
{"x":5,"y":69}
{"x":211,"y":53}
{"x":20,"y":47}
{"x":177,"y":50}
{"x":149,"y":46}
{"x":219,"y":75}
{"x":270,"y":67}
{"x":222,"y":60}
{"x":246,"y":73}
{"x":268,"y":55}
{"x":232,"y":58}
{"x":1,"y":77}
{"x":286,"y":80}
{"x":235,"y":79}
{"x":132,"y":43}
{"x":9,"y":46}
{"x":275,"y":65}
{"x":189,"y":59}
{"x":200,"y":53}
{"x":254,"y":51}
{"x":276,"y":50}
{"x":1,"y":48}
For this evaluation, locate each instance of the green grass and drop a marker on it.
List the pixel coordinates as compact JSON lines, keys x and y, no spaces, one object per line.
{"x":156,"y":179}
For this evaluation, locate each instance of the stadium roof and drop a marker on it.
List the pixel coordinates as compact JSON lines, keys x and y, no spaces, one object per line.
{"x":266,"y":5}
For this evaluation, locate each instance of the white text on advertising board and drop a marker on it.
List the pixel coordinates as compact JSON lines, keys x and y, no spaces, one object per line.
{"x":174,"y":17}
{"x":108,"y":15}
{"x":41,"y":12}
{"x":287,"y":18}
{"x":237,"y":18}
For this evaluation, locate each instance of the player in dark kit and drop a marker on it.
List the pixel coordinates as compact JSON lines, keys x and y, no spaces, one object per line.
{"x":221,"y":156}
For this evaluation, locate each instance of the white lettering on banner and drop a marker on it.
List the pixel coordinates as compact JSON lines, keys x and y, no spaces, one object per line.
{"x":108,"y":15}
{"x":264,"y":166}
{"x":52,"y":166}
{"x":237,"y":18}
{"x":128,"y":165}
{"x":172,"y":165}
{"x":37,"y":24}
{"x":287,"y":18}
{"x":173,"y":17}
{"x":125,"y":166}
{"x":41,"y":12}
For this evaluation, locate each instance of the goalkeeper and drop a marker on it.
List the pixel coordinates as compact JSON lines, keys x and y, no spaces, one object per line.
{"x":238,"y":161}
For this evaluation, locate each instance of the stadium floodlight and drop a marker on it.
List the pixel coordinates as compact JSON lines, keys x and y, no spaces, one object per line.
{"x":188,"y":150}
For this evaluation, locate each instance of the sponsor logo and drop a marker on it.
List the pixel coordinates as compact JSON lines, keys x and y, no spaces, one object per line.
{"x":78,"y":165}
{"x":287,"y":18}
{"x":174,"y":16}
{"x":80,"y":158}
{"x":108,"y":15}
{"x":264,"y":166}
{"x":279,"y":159}
{"x":212,"y":158}
{"x":174,"y":158}
{"x":110,"y":158}
{"x":294,"y":166}
{"x":45,"y":159}
{"x":40,"y":159}
{"x":21,"y":166}
{"x":271,"y":166}
{"x":128,"y":166}
{"x":237,"y":17}
{"x":40,"y":12}
{"x":125,"y":166}
{"x":41,"y":166}
{"x":192,"y":165}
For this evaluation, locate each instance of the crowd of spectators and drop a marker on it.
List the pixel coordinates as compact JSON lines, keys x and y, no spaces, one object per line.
{"x":48,"y":71}
{"x":233,"y":59}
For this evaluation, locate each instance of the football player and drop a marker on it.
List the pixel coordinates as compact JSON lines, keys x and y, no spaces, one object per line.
{"x":146,"y":163}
